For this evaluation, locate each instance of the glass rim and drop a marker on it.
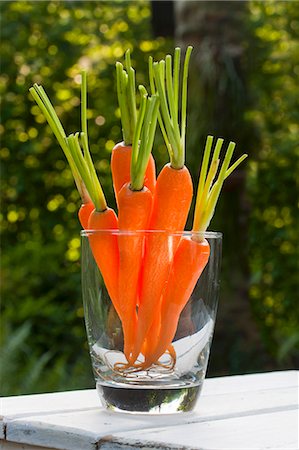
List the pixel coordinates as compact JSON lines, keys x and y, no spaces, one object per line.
{"x":206,"y":234}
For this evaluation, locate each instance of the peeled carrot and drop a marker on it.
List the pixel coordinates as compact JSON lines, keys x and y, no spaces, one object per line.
{"x":189,"y":261}
{"x":135,"y":205}
{"x":134,"y":213}
{"x":172,"y":198}
{"x":193,"y":252}
{"x":104,"y":246}
{"x":122,"y":152}
{"x":84,"y":213}
{"x":120,"y":168}
{"x":102,"y":220}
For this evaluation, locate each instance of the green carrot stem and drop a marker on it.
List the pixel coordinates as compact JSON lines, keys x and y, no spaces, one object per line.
{"x":143,"y":138}
{"x":80,"y":163}
{"x":202,"y":180}
{"x":84,"y":136}
{"x":160,"y":121}
{"x":42,"y":100}
{"x":84,"y":102}
{"x":167,"y":81}
{"x":50,"y":108}
{"x":136,"y":137}
{"x":131,"y":93}
{"x":176,"y":73}
{"x":213,"y":198}
{"x":171,"y":96}
{"x":121,"y":85}
{"x":235,"y":165}
{"x":92,"y":183}
{"x":184,"y":97}
{"x":208,"y":194}
{"x":174,"y":139}
{"x":229,"y":171}
{"x":126,"y":94}
{"x":52,"y":118}
{"x":210,"y":178}
{"x":146,"y":141}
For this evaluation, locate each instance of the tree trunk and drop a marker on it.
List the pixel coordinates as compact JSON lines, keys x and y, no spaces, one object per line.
{"x":217,"y":102}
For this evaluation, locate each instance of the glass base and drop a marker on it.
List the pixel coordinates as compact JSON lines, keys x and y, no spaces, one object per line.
{"x":148,"y":400}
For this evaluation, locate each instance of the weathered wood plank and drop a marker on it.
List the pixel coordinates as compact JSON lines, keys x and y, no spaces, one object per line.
{"x":276,"y":430}
{"x":91,"y":426}
{"x":5,"y":445}
{"x":19,"y":406}
{"x":74,"y":420}
{"x":250,"y":382}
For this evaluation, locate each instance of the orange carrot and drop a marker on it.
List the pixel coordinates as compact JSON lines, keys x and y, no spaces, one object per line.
{"x":120,"y":168}
{"x":189,"y":261}
{"x":172,"y":197}
{"x":171,"y":204}
{"x":47,"y":109}
{"x":134,"y":213}
{"x":84,"y":213}
{"x":135,"y":205}
{"x":102,"y":221}
{"x":193,"y":252}
{"x":104,"y":248}
{"x":122,"y":152}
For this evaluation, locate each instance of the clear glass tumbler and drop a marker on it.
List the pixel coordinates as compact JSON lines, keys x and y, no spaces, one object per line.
{"x":150,"y":301}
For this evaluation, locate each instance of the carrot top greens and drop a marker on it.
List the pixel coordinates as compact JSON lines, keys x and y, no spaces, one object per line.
{"x":126,"y":94}
{"x":207,"y":191}
{"x":165,"y":79}
{"x":42,"y":100}
{"x":143,"y":137}
{"x":168,"y":105}
{"x":83,"y":158}
{"x":138,"y":127}
{"x":80,"y":162}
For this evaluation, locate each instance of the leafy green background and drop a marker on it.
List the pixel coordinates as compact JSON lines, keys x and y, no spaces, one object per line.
{"x":43,"y":344}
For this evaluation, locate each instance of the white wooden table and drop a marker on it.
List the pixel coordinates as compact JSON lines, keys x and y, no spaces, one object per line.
{"x":257,"y":411}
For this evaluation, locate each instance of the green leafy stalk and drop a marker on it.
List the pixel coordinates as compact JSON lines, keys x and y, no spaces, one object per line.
{"x":184,"y":97}
{"x":126,"y":94}
{"x":205,"y":181}
{"x":42,"y":100}
{"x":202,"y":180}
{"x":84,"y":136}
{"x":80,"y":161}
{"x":131,"y":92}
{"x":208,"y":193}
{"x":84,"y":106}
{"x":90,"y":179}
{"x":235,"y":165}
{"x":165,"y":79}
{"x":137,"y":133}
{"x":143,"y":138}
{"x":173,"y":138}
{"x":121,"y":84}
{"x":153,"y":91}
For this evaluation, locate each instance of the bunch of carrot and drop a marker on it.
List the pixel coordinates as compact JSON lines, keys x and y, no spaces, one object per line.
{"x":149,"y":281}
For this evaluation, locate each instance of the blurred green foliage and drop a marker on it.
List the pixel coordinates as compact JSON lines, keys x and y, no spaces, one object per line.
{"x":273,"y":176}
{"x":41,"y":284}
{"x":42,"y":329}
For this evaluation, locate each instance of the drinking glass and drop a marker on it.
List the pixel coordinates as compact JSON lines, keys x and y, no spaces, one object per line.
{"x":173,"y":383}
